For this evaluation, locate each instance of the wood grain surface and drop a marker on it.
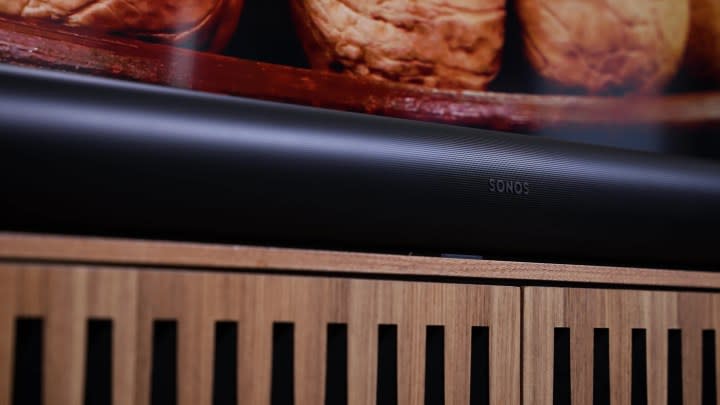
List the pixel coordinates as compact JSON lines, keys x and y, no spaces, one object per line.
{"x":65,"y":297}
{"x":21,"y":246}
{"x":37,"y":44}
{"x":620,"y":311}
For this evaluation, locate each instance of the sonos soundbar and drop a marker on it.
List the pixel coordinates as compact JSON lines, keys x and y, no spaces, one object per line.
{"x":85,"y":155}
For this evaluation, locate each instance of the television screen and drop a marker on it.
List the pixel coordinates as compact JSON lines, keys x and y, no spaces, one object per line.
{"x":639,"y":74}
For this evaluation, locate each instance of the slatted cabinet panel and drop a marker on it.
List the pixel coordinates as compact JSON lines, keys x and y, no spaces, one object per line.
{"x":186,"y":306}
{"x":64,"y":301}
{"x":660,"y":331}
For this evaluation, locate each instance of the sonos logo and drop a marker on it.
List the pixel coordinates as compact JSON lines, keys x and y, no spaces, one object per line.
{"x":509,"y":186}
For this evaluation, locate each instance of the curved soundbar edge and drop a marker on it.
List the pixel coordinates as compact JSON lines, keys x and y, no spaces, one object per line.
{"x":86,"y":155}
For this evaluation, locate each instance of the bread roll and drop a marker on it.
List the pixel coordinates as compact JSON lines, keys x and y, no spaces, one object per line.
{"x":605,"y":46}
{"x":437,"y":43}
{"x":192,"y":23}
{"x":703,"y":51}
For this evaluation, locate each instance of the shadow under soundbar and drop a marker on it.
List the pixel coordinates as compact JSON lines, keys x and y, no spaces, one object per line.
{"x":93,"y":156}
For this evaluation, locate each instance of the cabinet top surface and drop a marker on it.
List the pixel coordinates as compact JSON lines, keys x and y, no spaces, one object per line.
{"x":113,"y":251}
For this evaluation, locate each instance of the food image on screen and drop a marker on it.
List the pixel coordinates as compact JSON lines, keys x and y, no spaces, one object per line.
{"x":197,"y":23}
{"x":454,"y":44}
{"x":611,"y":67}
{"x":602,"y":46}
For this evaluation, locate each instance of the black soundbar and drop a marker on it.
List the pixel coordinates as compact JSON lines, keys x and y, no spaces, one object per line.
{"x":85,"y":155}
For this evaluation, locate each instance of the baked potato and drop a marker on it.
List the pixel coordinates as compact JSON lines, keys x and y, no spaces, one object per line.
{"x":605,"y":46}
{"x":435,"y":43}
{"x":206,"y":24}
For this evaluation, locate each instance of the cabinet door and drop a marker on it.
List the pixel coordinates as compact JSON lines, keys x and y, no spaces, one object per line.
{"x":197,"y":337}
{"x":592,"y":346}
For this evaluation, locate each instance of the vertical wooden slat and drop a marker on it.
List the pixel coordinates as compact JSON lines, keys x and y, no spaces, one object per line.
{"x":64,"y":354}
{"x":195,"y":341}
{"x":459,"y":320}
{"x":8,"y":311}
{"x":255,"y":352}
{"x":457,"y":363}
{"x":412,"y":318}
{"x":692,"y":343}
{"x":362,"y":361}
{"x":692,"y":365}
{"x":411,"y":363}
{"x":363,"y":340}
{"x":125,"y":342}
{"x":620,"y":341}
{"x":662,"y":316}
{"x":544,"y":310}
{"x":581,"y":364}
{"x":657,"y":360}
{"x":503,"y":314}
{"x":143,"y":365}
{"x":310,"y":312}
{"x":194,"y":367}
{"x":310,"y":350}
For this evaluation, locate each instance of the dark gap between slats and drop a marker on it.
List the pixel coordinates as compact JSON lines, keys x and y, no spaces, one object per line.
{"x":387,"y":365}
{"x":561,"y":367}
{"x":98,"y":362}
{"x":435,"y":365}
{"x":283,"y":388}
{"x":709,"y":373}
{"x":601,"y":367}
{"x":674,"y":373}
{"x":336,"y":372}
{"x":163,"y":388}
{"x":27,"y":371}
{"x":480,"y":366}
{"x":224,"y":389}
{"x":638,"y":388}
